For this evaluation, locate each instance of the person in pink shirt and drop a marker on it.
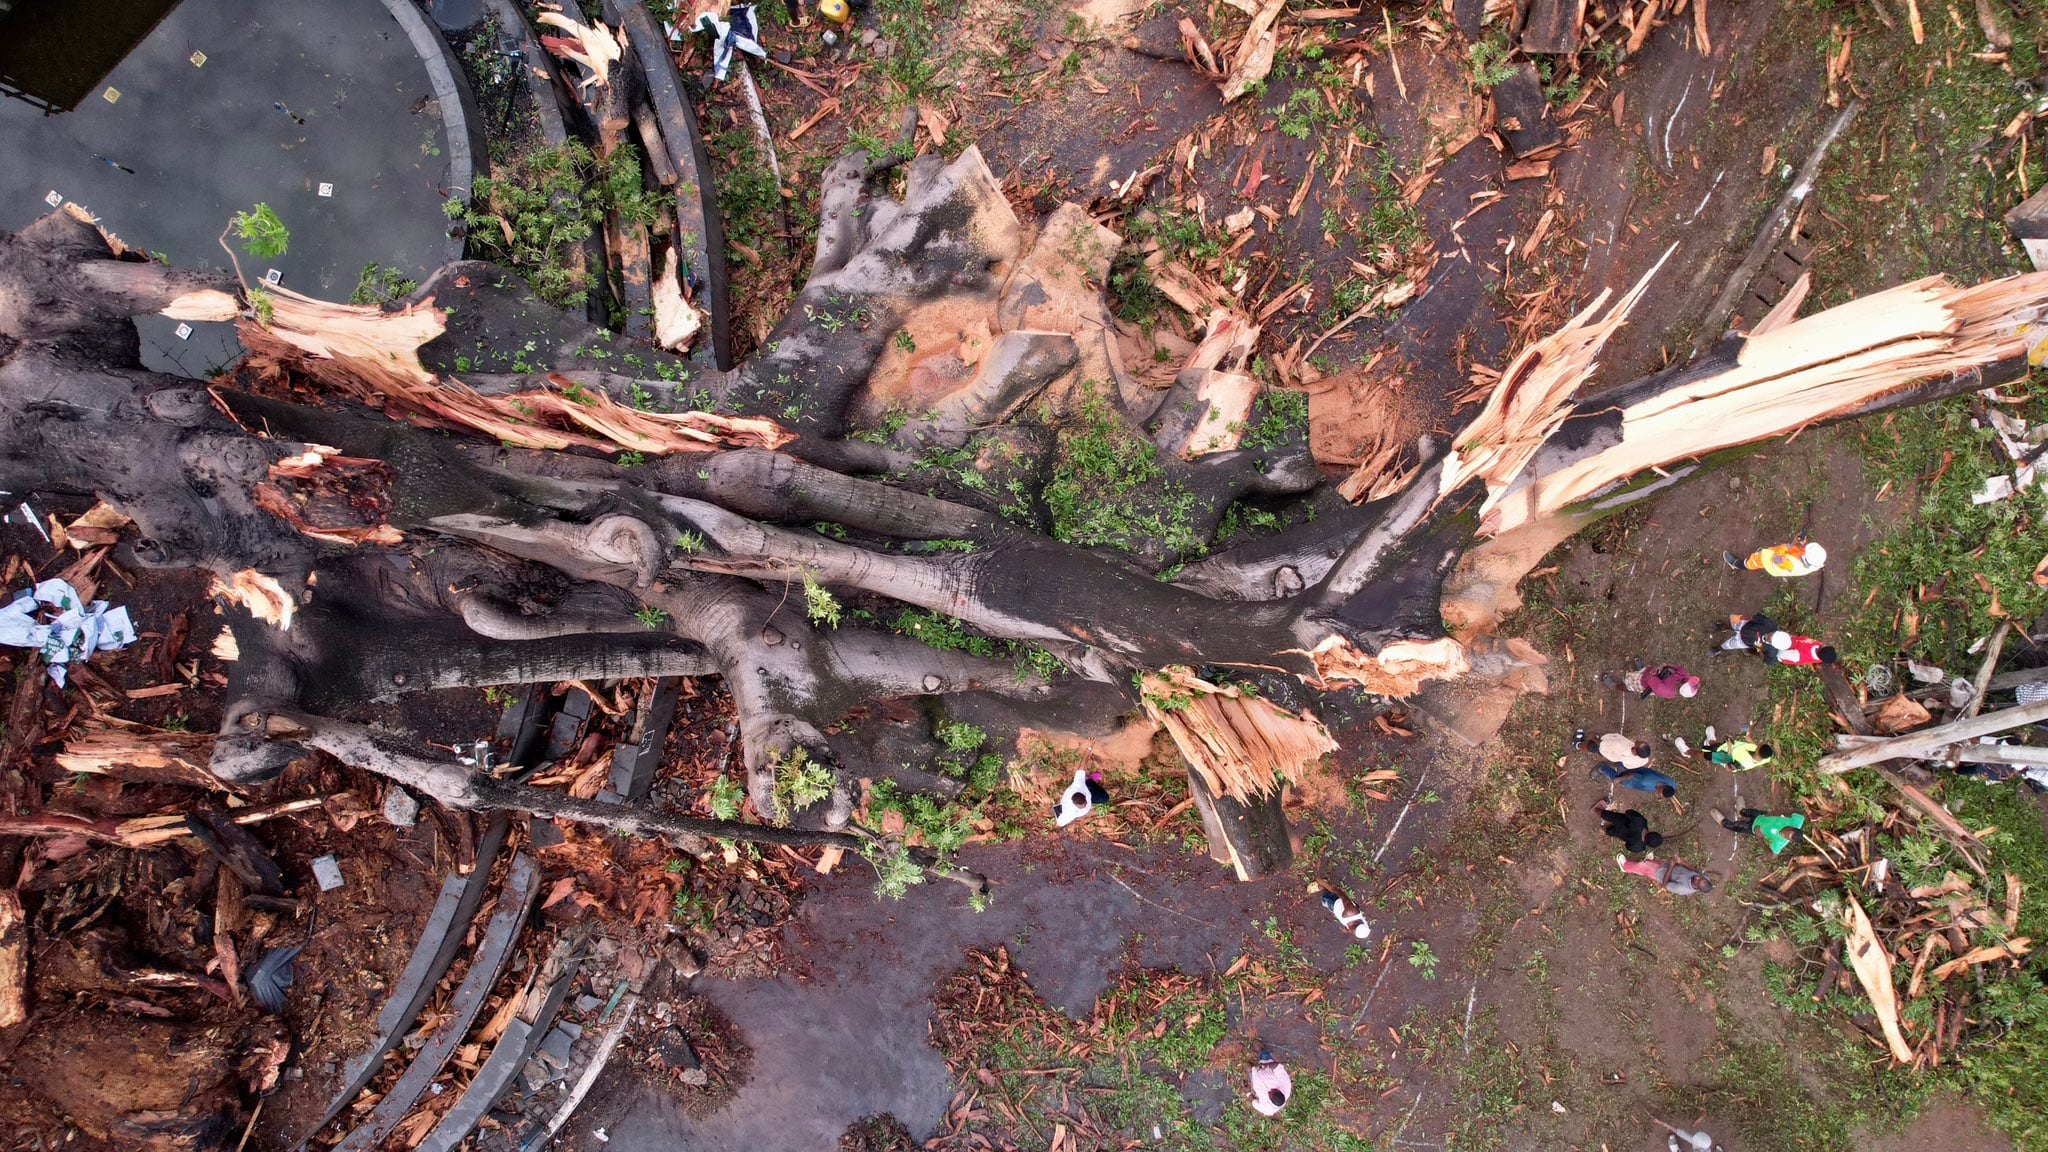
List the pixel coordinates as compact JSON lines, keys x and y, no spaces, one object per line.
{"x":1271,"y":1085}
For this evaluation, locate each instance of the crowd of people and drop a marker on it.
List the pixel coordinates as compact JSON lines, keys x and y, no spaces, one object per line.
{"x":1625,"y":762}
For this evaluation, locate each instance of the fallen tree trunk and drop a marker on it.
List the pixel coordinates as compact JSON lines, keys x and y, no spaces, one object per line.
{"x":421,"y":528}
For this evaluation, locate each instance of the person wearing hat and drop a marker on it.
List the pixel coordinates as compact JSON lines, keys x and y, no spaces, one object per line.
{"x":1799,"y":558}
{"x":1271,"y":1085}
{"x":1791,"y":648}
{"x":1079,"y":799}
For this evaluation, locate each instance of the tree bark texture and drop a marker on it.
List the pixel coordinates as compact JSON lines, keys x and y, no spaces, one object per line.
{"x":469,"y":487}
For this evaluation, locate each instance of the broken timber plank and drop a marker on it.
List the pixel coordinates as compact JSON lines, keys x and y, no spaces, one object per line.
{"x":514,"y":901}
{"x":447,"y":925}
{"x":584,"y":1083}
{"x":701,"y":232}
{"x":509,"y":1054}
{"x":633,"y":764}
{"x":1552,"y":28}
{"x":2029,"y":225}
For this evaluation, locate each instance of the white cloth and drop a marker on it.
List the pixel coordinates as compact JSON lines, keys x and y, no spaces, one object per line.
{"x":74,"y":632}
{"x":1266,"y":1078}
{"x":737,"y":30}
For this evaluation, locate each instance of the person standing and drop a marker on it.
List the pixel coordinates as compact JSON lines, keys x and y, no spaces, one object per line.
{"x":1640,"y":780}
{"x":1271,"y":1085}
{"x":1799,"y":558}
{"x":1672,"y":876}
{"x":1777,"y":831}
{"x":1615,"y":749}
{"x":1630,"y":827}
{"x":1741,"y":753}
{"x":1749,"y":633}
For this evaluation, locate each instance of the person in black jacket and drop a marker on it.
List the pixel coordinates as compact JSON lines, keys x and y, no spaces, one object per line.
{"x":1630,"y":827}
{"x":1750,"y":632}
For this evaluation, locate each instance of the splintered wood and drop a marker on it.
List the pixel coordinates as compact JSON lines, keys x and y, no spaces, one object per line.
{"x":1822,"y":367}
{"x":372,"y":356}
{"x":1243,"y":746}
{"x":144,"y":757}
{"x":1533,"y":395}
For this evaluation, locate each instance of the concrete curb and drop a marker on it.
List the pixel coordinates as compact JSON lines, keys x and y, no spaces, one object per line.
{"x":459,"y":116}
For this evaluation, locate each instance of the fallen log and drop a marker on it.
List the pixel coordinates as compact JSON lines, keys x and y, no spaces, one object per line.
{"x":1916,"y":745}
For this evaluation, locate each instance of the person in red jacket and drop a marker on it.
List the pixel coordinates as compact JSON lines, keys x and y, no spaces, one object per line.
{"x":1790,"y":648}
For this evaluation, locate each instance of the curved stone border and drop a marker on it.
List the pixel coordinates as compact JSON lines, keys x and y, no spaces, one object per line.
{"x":466,"y":151}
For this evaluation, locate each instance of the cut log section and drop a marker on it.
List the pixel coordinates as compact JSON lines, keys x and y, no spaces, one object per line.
{"x":1552,"y":28}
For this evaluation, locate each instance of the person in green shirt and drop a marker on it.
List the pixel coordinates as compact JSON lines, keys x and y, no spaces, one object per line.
{"x":1777,"y":831}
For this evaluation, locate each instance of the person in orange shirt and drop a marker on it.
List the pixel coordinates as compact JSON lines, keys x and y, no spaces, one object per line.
{"x":1799,"y":558}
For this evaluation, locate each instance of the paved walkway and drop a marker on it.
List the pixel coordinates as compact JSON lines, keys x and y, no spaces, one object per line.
{"x":206,"y":141}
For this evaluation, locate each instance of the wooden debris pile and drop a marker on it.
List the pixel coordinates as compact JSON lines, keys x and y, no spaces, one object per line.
{"x":1878,"y":911}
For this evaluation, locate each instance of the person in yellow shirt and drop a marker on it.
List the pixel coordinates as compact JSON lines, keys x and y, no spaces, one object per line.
{"x":1799,"y":558}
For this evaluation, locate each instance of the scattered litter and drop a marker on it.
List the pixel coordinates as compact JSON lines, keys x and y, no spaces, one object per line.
{"x":77,"y":631}
{"x":327,"y":870}
{"x":1557,"y":1108}
{"x":401,"y":808}
{"x":1993,"y":489}
{"x":183,"y":330}
{"x":272,"y":976}
{"x":601,"y":1137}
{"x":737,"y":31}
{"x":326,"y":189}
{"x":28,"y":515}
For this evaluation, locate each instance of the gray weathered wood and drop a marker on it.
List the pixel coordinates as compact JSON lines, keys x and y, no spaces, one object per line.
{"x":1919,"y":744}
